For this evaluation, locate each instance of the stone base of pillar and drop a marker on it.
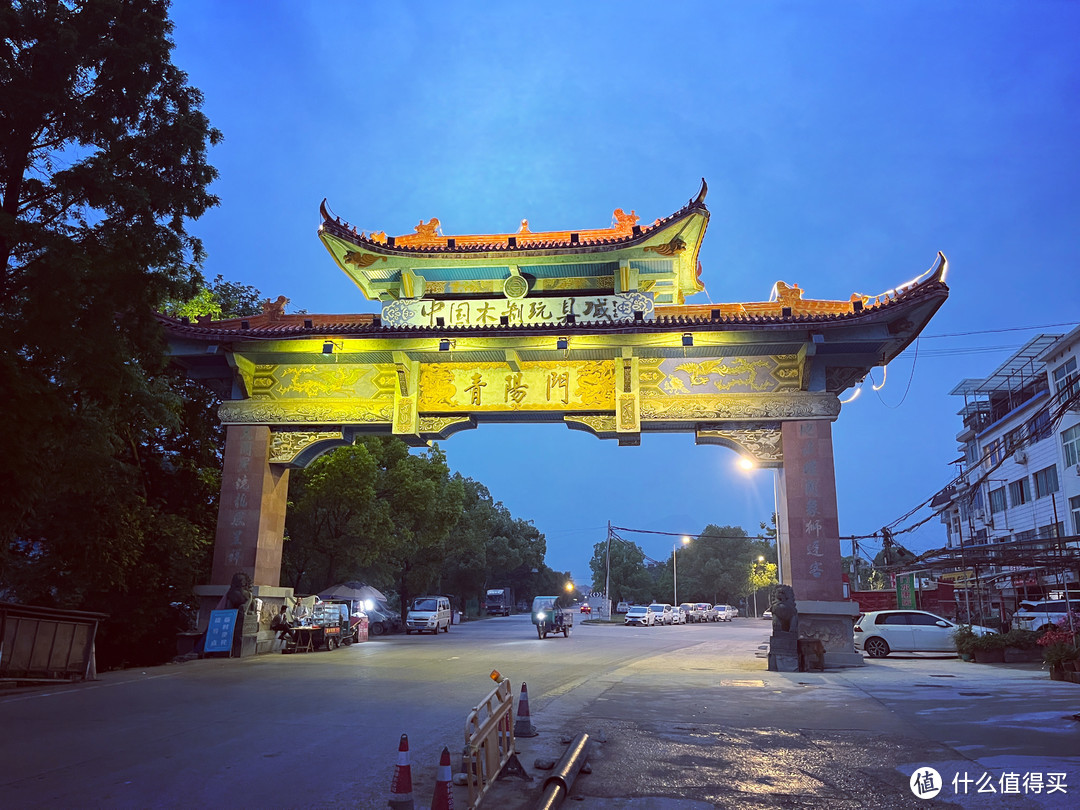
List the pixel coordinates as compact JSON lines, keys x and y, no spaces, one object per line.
{"x":783,"y":651}
{"x":832,"y":623}
{"x":253,"y":639}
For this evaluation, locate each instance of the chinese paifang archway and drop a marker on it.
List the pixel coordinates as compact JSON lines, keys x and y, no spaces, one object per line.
{"x":587,"y":327}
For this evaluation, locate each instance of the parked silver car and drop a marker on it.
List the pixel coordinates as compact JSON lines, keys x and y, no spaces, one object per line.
{"x":640,"y":615}
{"x":662,"y":611}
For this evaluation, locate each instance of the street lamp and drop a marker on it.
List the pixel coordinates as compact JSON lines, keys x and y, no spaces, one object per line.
{"x":760,"y":560}
{"x":675,"y":571}
{"x":747,"y":464}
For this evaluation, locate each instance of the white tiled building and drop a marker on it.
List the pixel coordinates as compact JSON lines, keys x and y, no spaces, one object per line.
{"x":1020,"y":470}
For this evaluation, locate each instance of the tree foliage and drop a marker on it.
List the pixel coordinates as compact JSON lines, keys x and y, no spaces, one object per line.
{"x":714,"y":567}
{"x":399,"y":520}
{"x":373,"y":510}
{"x":629,"y":580}
{"x":102,"y":166}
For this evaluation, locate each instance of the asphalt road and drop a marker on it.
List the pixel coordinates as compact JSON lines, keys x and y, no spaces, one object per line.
{"x":683,"y":717}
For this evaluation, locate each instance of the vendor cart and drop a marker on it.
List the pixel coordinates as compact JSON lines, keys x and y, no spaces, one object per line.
{"x":549,"y":618}
{"x":333,"y":618}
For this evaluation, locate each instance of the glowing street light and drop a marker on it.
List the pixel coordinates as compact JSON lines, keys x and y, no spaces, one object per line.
{"x":760,"y":560}
{"x":675,"y":570}
{"x":747,"y":464}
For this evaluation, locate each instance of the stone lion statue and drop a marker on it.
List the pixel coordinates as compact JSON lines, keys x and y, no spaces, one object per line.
{"x":238,"y":597}
{"x":785,"y":615}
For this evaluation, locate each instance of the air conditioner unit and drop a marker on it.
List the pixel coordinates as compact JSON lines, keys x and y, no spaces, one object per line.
{"x":1020,"y":457}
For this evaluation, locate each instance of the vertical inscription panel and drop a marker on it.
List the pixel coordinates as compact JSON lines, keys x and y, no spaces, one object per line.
{"x":811,"y":560}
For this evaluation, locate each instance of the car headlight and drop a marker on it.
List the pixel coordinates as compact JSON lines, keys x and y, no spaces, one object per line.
{"x":541,"y":616}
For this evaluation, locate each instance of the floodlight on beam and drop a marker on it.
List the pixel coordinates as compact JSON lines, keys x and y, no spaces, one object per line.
{"x":444,"y":345}
{"x":687,"y":339}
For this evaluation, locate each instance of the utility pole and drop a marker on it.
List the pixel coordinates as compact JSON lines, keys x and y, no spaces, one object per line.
{"x":607,"y":574}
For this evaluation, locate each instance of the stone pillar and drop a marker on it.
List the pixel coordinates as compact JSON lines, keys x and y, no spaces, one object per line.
{"x":251,"y":515}
{"x":809,"y":528}
{"x":251,"y":520}
{"x":811,"y":561}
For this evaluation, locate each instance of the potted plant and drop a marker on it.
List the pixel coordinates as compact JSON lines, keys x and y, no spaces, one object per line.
{"x":964,"y":638}
{"x":1056,"y":656}
{"x":989,"y":649}
{"x":1059,"y":649}
{"x":1022,"y":646}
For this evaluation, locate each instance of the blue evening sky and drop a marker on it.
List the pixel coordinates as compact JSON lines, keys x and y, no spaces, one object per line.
{"x":844,"y":143}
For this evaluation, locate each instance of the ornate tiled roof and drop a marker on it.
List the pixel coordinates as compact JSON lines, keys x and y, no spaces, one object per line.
{"x":788,"y":311}
{"x":427,"y":240}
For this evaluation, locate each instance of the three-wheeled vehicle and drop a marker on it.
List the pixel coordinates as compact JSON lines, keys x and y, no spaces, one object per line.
{"x":333,"y":617}
{"x":549,"y":617}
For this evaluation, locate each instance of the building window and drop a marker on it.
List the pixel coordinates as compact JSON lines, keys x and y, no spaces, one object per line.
{"x":1070,"y":443}
{"x":1023,"y":537}
{"x":994,"y":452}
{"x":1051,"y":531}
{"x":1039,"y":426}
{"x":981,"y":536}
{"x":997,"y":500}
{"x":1066,"y":379}
{"x":1019,"y":492}
{"x":1046,"y":481}
{"x":1074,"y":507}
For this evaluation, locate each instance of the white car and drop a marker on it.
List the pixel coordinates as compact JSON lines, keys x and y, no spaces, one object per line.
{"x":725,"y":613}
{"x":622,"y":607}
{"x":677,"y":615}
{"x":663,"y":612}
{"x":1042,"y":616}
{"x":885,"y":631}
{"x":640,"y":615}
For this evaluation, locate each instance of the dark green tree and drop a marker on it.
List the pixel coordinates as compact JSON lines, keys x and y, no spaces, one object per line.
{"x":102,"y":166}
{"x":714,"y":567}
{"x":336,"y":526}
{"x":465,"y":572}
{"x":424,"y":504}
{"x":374,"y":512}
{"x":630,"y":580}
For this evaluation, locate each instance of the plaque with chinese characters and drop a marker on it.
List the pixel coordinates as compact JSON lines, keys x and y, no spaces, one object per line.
{"x":526,"y":312}
{"x":469,"y":387}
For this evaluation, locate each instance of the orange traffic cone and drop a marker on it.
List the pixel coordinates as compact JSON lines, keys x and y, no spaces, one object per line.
{"x":401,"y":785}
{"x":523,"y":726}
{"x":444,"y":797}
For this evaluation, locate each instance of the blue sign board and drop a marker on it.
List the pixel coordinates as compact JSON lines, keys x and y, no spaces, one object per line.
{"x":219,"y":635}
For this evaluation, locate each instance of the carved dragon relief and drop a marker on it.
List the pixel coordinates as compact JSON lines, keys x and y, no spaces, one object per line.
{"x":439,"y":424}
{"x":763,"y":445}
{"x":739,"y":406}
{"x":603,"y":425}
{"x":327,"y":412}
{"x":741,"y":375}
{"x":285,"y":446}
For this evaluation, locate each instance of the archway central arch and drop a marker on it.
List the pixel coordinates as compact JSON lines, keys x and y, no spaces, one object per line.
{"x":587,"y":327}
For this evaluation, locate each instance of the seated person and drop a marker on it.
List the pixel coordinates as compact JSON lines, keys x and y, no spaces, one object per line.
{"x":280,"y":624}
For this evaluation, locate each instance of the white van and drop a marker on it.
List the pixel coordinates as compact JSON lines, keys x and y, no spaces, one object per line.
{"x":431,"y":613}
